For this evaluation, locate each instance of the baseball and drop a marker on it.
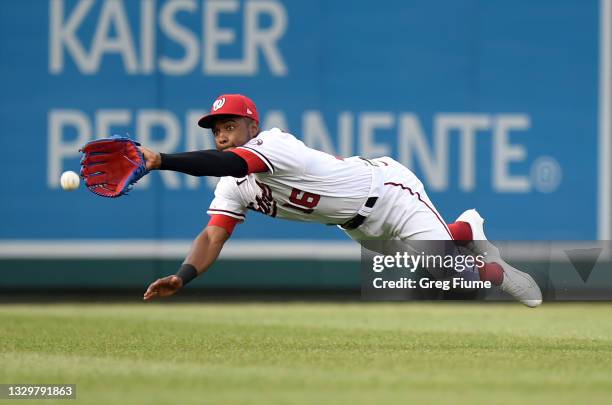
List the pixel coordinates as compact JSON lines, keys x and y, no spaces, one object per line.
{"x":70,"y":180}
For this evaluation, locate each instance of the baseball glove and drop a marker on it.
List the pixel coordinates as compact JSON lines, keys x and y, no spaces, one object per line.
{"x":111,"y":166}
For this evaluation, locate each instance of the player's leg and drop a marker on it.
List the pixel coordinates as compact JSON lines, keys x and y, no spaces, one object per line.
{"x":404,"y":220}
{"x":420,"y":228}
{"x":469,"y":227}
{"x":419,"y":220}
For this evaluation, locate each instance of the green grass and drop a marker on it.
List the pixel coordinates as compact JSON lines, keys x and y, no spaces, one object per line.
{"x":312,"y":353}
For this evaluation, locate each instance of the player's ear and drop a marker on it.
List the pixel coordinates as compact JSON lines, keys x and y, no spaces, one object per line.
{"x":253,"y":127}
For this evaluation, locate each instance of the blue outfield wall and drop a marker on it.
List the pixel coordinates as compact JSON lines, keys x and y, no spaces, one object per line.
{"x":493,"y":104}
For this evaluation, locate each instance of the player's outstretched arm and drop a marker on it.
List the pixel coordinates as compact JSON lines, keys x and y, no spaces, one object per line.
{"x":197,"y":163}
{"x":204,"y":251}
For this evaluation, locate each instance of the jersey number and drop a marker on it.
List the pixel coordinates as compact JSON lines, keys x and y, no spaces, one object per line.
{"x":303,"y":201}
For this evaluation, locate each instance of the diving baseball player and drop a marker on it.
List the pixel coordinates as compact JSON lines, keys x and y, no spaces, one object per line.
{"x":276,"y":174}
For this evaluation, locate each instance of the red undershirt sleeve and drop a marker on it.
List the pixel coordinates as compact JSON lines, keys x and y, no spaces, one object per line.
{"x":226,"y":222}
{"x":255,"y":163}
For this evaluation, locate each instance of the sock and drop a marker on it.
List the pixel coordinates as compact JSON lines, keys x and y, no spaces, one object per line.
{"x":492,"y":272}
{"x":461,"y":231}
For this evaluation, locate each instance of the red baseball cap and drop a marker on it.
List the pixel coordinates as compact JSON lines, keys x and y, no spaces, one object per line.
{"x":230,"y":104}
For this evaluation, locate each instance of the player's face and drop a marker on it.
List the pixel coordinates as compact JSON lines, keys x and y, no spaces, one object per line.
{"x":233,"y":132}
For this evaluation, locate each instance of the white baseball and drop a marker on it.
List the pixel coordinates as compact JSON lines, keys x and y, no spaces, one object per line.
{"x":70,"y":180}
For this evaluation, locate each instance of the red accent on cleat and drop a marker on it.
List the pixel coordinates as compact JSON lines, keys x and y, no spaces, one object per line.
{"x":492,"y":272}
{"x":461,"y":231}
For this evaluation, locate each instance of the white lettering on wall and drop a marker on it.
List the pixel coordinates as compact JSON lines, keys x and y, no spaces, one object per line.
{"x":200,"y":43}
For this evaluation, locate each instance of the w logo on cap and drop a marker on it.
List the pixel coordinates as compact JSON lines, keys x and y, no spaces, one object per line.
{"x":218,"y":103}
{"x":230,"y":104}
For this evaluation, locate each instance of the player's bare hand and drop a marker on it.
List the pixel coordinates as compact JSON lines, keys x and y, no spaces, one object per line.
{"x":152,"y":158}
{"x":163,"y":287}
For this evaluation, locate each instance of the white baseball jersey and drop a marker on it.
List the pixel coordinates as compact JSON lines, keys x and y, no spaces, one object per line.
{"x":301,"y":183}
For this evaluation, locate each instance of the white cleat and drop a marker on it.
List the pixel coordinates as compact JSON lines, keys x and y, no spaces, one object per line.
{"x":518,"y":284}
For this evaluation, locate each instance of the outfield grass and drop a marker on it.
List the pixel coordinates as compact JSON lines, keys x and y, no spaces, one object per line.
{"x":312,"y":353}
